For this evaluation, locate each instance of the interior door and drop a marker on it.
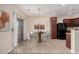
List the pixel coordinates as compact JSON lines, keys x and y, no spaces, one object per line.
{"x":20,"y":30}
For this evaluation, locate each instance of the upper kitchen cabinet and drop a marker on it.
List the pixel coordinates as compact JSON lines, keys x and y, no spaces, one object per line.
{"x":76,"y":21}
{"x":69,"y":22}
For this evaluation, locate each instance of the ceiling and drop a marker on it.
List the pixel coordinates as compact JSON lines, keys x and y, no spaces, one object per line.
{"x":49,"y":9}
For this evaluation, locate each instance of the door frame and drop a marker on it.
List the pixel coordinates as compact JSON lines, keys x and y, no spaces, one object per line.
{"x":15,"y":30}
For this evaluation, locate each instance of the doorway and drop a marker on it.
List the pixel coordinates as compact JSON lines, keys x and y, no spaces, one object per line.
{"x":20,"y":30}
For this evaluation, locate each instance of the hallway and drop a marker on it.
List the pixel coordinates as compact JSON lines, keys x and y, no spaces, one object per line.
{"x":46,"y":46}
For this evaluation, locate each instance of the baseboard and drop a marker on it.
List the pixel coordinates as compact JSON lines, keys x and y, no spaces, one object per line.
{"x":9,"y":50}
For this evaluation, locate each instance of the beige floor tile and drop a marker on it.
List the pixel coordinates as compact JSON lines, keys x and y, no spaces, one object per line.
{"x":46,"y":46}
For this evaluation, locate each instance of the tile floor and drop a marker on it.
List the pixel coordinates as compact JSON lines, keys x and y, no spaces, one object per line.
{"x":46,"y":46}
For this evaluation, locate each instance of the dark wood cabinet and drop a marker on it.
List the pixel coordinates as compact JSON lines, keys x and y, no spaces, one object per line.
{"x":68,"y":40}
{"x":76,"y":21}
{"x":53,"y":27}
{"x":69,"y":22}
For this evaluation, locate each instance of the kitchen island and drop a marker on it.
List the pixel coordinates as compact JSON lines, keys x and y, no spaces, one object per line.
{"x":75,"y":40}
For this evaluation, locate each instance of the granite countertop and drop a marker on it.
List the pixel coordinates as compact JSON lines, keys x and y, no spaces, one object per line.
{"x":69,"y":29}
{"x":68,"y":33}
{"x":75,"y":28}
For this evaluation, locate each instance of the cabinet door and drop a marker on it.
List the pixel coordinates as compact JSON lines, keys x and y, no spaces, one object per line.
{"x":68,"y":41}
{"x":53,"y":27}
{"x":76,"y":21}
{"x":69,"y":22}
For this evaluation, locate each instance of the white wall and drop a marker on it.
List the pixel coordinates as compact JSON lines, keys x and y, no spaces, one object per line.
{"x":36,"y":20}
{"x":5,"y":42}
{"x":60,"y":19}
{"x":6,"y":38}
{"x":25,"y":29}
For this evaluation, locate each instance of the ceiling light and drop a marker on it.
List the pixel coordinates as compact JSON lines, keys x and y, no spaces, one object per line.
{"x":73,"y":9}
{"x":63,"y":4}
{"x":69,"y":13}
{"x":28,"y":9}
